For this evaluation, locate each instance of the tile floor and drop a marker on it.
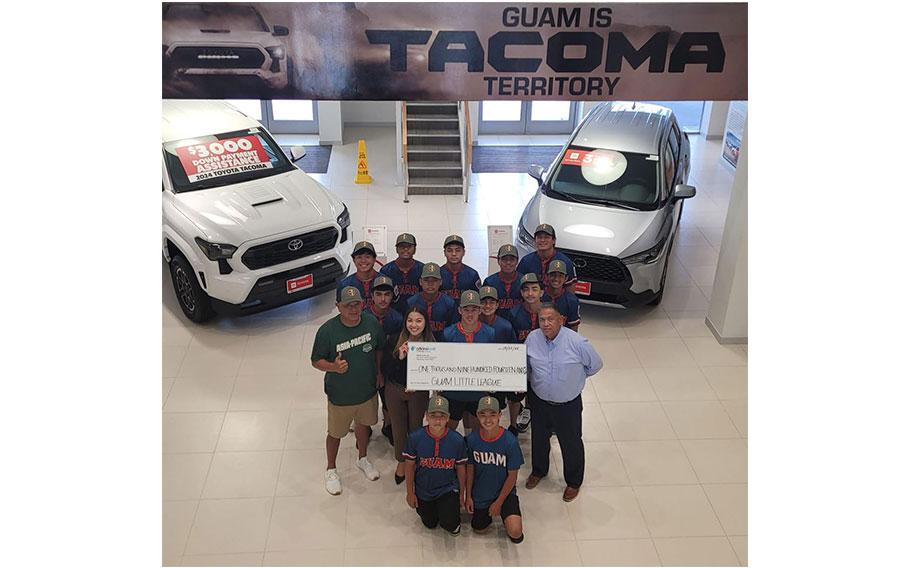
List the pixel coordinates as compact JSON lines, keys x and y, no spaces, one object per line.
{"x":665,"y":421}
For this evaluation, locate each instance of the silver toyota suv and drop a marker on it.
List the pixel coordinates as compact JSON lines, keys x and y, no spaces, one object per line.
{"x":614,"y":195}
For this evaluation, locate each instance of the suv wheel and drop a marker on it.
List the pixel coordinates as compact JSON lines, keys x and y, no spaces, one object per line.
{"x":193,"y":300}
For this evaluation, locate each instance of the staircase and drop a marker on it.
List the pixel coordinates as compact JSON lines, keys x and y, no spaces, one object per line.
{"x":434,"y":148}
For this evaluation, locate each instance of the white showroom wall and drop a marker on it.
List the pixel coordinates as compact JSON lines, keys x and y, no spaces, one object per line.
{"x":368,"y":112}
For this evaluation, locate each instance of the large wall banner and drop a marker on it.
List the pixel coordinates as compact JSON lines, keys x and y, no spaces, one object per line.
{"x":455,"y":51}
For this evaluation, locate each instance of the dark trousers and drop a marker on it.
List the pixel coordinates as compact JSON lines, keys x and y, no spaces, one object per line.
{"x":444,"y":511}
{"x":565,"y":421}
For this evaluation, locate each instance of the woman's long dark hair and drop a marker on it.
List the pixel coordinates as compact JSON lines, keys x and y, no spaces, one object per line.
{"x":425,"y":335}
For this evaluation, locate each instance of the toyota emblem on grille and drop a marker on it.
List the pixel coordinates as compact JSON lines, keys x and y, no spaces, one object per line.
{"x":295,"y":245}
{"x":581,"y":263}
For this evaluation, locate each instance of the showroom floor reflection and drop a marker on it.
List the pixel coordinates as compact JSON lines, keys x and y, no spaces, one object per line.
{"x":664,"y":422}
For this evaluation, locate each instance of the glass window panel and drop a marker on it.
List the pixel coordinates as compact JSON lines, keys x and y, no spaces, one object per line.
{"x":250,"y":107}
{"x":501,"y":111}
{"x":292,"y":110}
{"x":550,"y":110}
{"x":688,"y":113}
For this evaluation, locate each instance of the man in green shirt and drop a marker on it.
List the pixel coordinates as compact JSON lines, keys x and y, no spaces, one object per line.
{"x":347,"y":348}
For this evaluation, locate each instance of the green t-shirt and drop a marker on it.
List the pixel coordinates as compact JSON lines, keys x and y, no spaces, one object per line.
{"x":357,"y":346}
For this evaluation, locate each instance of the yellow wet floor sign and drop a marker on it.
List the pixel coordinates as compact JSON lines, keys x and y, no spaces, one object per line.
{"x":363,"y":170}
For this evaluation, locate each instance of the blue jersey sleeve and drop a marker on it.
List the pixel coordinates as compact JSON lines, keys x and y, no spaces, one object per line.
{"x":573,"y":316}
{"x":514,"y":457}
{"x":410,"y":450}
{"x":461,"y":451}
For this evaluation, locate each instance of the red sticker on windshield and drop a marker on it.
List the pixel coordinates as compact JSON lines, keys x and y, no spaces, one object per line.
{"x":222,"y":158}
{"x":577,"y":158}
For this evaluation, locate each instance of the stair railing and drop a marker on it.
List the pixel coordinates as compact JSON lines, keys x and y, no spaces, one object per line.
{"x":464,"y":131}
{"x":403,"y":159}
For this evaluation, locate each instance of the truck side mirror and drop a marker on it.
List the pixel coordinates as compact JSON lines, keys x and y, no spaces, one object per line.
{"x":683,"y":191}
{"x":297,"y":152}
{"x":279,"y":31}
{"x":536,"y":172}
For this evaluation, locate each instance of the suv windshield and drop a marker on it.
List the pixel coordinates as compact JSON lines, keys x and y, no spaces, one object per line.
{"x":221,"y":16}
{"x":223,"y":159}
{"x":605,"y":177}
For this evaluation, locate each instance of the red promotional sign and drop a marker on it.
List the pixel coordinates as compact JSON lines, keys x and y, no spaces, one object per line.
{"x":301,"y":283}
{"x":582,"y":288}
{"x":222,"y":158}
{"x":578,"y":158}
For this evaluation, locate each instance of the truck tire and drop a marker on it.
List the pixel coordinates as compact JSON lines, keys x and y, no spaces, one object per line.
{"x":193,"y":300}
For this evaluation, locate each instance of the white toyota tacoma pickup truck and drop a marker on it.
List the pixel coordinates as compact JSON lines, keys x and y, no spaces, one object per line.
{"x":242,"y":228}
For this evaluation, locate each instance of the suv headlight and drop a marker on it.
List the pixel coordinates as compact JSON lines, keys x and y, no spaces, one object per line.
{"x":525,"y":237}
{"x":215,"y":251}
{"x":344,"y":220}
{"x":652,"y":254}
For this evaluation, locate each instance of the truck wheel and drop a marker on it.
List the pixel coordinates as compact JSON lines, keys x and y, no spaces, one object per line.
{"x":193,"y":300}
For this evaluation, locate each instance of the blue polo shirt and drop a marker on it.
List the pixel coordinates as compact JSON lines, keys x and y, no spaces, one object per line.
{"x":441,"y":312}
{"x":509,"y":291}
{"x":363,"y":285}
{"x":567,"y":304}
{"x":503,"y":330}
{"x":532,"y":263}
{"x":523,"y":322}
{"x":436,"y":459}
{"x":492,"y":461}
{"x":454,"y":283}
{"x":392,"y":322}
{"x":407,"y":282}
{"x":456,"y":334}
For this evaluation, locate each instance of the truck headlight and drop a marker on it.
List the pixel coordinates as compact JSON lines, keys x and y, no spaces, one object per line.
{"x":215,"y":251}
{"x":525,"y":237}
{"x":276,"y":52}
{"x":344,"y":220}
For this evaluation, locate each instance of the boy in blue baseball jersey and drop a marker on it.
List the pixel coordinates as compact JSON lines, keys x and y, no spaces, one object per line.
{"x":493,"y":461}
{"x":441,"y":309}
{"x":538,"y":261}
{"x":435,"y":459}
{"x":404,"y":271}
{"x":560,"y":296}
{"x":524,"y":321}
{"x":506,"y":280}
{"x":364,"y":257}
{"x":457,"y":276}
{"x":489,"y":306}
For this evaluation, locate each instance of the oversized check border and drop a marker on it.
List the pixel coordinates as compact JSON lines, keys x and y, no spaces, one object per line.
{"x":488,"y":367}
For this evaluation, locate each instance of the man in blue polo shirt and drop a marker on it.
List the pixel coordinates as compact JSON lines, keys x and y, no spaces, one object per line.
{"x":493,"y":461}
{"x":559,"y":363}
{"x":435,"y":458}
{"x":506,"y":280}
{"x":404,"y":270}
{"x":538,"y":262}
{"x":457,"y":276}
{"x":441,"y":309}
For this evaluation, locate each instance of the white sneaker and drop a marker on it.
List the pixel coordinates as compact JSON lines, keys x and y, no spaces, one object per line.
{"x":364,"y":465}
{"x":332,"y":482}
{"x":523,"y":420}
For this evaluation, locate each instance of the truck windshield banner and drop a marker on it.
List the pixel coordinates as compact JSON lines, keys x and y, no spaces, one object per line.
{"x":222,"y":158}
{"x":455,"y":51}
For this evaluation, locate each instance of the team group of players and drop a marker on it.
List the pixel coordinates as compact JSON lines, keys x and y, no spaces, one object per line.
{"x":443,"y":470}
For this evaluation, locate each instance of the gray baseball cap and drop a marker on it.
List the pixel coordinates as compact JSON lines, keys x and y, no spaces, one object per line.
{"x":557,"y":266}
{"x":488,"y":292}
{"x":487,"y":403}
{"x":453,"y":240}
{"x":529,"y":278}
{"x":383,"y":282}
{"x":469,"y":298}
{"x":362,"y":247}
{"x":507,"y":250}
{"x":431,"y":270}
{"x":544,"y":228}
{"x":438,"y":404}
{"x":349,"y":294}
{"x":406,"y":239}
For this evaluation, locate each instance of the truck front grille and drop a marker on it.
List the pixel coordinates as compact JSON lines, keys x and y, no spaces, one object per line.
{"x":217,"y":58}
{"x":286,"y":250}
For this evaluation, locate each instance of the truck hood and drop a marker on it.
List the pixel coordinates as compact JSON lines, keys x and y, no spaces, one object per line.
{"x":189,"y":35}
{"x":590,"y":228}
{"x":259,"y":208}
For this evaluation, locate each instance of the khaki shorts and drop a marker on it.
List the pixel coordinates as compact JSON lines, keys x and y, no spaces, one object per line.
{"x":340,"y":417}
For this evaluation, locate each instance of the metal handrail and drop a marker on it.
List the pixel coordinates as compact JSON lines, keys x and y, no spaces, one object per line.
{"x":468,"y":149}
{"x":404,"y":147}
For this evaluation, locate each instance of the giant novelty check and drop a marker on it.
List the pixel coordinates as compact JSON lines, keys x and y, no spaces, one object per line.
{"x":467,"y":367}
